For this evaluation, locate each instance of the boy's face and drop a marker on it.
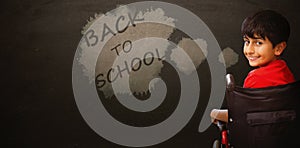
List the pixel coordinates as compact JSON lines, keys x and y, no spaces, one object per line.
{"x":259,"y":51}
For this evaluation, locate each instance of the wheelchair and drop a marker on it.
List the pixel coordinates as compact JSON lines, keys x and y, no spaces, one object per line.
{"x":260,"y":117}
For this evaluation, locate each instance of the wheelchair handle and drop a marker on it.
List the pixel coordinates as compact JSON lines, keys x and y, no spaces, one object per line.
{"x":230,"y":84}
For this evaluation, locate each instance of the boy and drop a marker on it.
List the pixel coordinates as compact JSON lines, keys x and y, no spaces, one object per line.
{"x":265,"y":36}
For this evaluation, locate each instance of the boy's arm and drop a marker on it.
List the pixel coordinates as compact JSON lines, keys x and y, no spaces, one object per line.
{"x":219,"y":115}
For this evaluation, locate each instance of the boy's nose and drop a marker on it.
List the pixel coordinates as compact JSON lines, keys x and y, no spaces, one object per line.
{"x":248,"y":49}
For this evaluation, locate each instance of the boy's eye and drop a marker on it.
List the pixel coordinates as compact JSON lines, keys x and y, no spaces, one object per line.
{"x":258,"y":43}
{"x":246,"y":42}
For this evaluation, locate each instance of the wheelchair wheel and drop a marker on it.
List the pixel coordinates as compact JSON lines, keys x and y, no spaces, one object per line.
{"x":216,"y":144}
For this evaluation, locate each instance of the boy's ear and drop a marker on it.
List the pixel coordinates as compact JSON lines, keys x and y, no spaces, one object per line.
{"x":279,"y":48}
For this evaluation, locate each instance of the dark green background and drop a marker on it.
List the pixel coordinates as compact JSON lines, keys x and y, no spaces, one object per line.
{"x":40,"y":38}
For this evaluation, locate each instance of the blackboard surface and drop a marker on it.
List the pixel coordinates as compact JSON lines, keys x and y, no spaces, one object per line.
{"x":40,"y":38}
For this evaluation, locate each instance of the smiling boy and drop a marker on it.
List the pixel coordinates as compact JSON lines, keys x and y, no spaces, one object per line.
{"x":265,"y":36}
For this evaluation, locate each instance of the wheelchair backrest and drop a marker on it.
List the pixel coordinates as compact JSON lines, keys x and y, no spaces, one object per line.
{"x":264,"y":117}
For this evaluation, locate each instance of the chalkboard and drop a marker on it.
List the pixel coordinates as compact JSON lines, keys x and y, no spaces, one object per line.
{"x":40,"y":39}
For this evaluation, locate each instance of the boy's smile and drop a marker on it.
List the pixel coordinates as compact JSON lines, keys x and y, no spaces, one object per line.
{"x":260,"y":51}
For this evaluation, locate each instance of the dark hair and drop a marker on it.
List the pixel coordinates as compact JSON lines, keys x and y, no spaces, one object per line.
{"x":267,"y":23}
